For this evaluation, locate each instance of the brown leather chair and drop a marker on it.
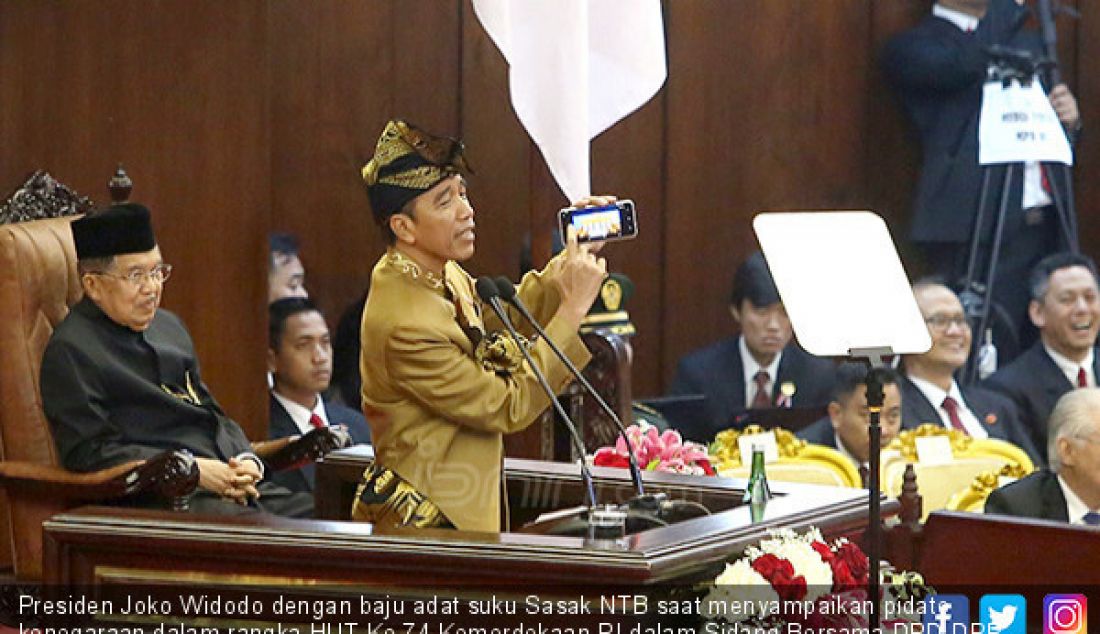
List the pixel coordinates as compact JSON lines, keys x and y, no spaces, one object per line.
{"x":38,"y":284}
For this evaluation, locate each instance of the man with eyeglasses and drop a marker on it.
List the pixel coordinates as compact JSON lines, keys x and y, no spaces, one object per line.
{"x":1069,"y":491}
{"x":929,"y":391}
{"x":120,"y":381}
{"x":1065,"y":307}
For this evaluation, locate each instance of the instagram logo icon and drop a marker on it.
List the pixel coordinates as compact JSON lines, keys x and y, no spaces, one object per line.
{"x":1065,"y":614}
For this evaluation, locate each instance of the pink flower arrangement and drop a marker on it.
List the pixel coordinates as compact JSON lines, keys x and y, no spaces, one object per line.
{"x":656,"y":451}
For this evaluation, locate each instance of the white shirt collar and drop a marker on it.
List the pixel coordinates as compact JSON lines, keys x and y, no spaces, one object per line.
{"x":301,"y":415}
{"x":936,"y":395}
{"x":751,"y":367}
{"x":1075,"y":508}
{"x":843,"y":449}
{"x":964,"y":21}
{"x":1070,"y":367}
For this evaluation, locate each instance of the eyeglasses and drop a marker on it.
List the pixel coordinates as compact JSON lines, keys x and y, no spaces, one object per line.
{"x":943,"y":322}
{"x":159,"y":274}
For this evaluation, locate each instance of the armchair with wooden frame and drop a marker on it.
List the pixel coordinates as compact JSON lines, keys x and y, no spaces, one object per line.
{"x":38,"y":285}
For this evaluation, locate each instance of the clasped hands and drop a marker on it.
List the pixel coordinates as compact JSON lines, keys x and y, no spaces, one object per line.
{"x":234,"y":480}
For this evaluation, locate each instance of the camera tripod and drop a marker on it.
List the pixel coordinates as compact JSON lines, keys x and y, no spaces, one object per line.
{"x":977,"y":292}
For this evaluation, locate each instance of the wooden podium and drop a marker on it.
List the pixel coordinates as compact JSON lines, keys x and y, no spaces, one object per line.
{"x":100,"y":547}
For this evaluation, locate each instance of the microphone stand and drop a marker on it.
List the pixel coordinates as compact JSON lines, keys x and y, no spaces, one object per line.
{"x":487,"y":291}
{"x":508,"y":292}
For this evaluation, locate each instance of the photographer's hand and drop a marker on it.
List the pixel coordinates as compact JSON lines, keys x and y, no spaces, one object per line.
{"x":1065,"y":106}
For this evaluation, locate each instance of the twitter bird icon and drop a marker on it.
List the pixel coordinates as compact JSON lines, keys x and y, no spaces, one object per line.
{"x":1003,"y":614}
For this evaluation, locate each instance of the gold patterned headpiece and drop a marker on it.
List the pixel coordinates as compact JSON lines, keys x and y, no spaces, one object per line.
{"x":408,"y":162}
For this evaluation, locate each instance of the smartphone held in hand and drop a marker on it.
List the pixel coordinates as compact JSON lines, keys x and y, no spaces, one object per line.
{"x":603,"y":223}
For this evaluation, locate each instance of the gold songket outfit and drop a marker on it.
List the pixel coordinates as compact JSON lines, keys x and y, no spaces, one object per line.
{"x":440,"y":393}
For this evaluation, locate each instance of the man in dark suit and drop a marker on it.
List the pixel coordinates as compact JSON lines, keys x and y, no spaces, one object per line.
{"x":299,"y":358}
{"x":120,"y":380}
{"x":845,"y":428}
{"x":1070,"y":490}
{"x":937,"y":69}
{"x":760,"y":369}
{"x":1065,"y":307}
{"x":929,"y":392}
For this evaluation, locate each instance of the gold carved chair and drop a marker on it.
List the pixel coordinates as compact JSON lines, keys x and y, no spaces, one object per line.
{"x":799,"y":461}
{"x":972,"y":498}
{"x":937,"y":483}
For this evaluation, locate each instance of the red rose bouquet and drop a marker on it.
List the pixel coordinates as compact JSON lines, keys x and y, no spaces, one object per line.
{"x":791,"y":577}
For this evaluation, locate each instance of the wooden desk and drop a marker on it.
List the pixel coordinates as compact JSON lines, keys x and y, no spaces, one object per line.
{"x":102,"y":546}
{"x":994,"y":550}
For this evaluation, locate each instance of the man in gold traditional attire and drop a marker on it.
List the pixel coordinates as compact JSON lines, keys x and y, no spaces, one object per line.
{"x":441,"y":384}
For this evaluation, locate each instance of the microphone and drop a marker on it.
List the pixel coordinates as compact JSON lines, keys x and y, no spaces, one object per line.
{"x":508,"y":292}
{"x":488,"y":292}
{"x":648,"y":509}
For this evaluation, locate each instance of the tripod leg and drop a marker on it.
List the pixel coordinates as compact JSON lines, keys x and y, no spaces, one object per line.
{"x":1065,"y":207}
{"x":970,"y":373}
{"x":976,"y":232}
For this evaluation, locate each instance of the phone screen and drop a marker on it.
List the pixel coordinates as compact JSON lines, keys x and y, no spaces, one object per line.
{"x":609,"y":222}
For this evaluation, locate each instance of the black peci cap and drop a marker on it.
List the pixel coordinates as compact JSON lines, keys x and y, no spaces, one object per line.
{"x":117,"y":230}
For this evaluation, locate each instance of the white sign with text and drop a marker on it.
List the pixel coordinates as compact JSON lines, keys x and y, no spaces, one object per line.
{"x":746,"y":443}
{"x":1018,"y":125}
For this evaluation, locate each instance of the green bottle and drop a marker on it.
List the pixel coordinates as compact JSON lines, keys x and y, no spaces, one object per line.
{"x":757,"y":492}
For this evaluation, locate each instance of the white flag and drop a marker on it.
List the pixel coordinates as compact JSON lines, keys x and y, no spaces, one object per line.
{"x":576,"y":67}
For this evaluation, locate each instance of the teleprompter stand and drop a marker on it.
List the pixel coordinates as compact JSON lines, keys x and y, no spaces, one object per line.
{"x":873,"y":537}
{"x":843,"y":286}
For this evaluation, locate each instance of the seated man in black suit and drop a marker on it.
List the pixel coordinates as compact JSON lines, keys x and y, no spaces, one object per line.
{"x":845,"y":428}
{"x":1070,"y":490}
{"x":760,"y":369}
{"x":929,"y":391}
{"x":120,"y":381}
{"x":299,"y":357}
{"x":1065,"y":307}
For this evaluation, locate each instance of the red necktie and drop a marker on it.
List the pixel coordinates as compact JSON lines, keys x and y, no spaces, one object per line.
{"x":762,"y":400}
{"x":952,"y":407}
{"x":316,"y":421}
{"x":1082,"y":378}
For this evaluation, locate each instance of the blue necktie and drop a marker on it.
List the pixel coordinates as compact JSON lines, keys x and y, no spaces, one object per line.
{"x":1092,"y":518}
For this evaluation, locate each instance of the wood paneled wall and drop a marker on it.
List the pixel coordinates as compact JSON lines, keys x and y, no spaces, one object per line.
{"x":236,"y":118}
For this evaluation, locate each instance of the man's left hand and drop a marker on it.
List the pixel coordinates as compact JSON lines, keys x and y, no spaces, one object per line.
{"x":1065,"y":105}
